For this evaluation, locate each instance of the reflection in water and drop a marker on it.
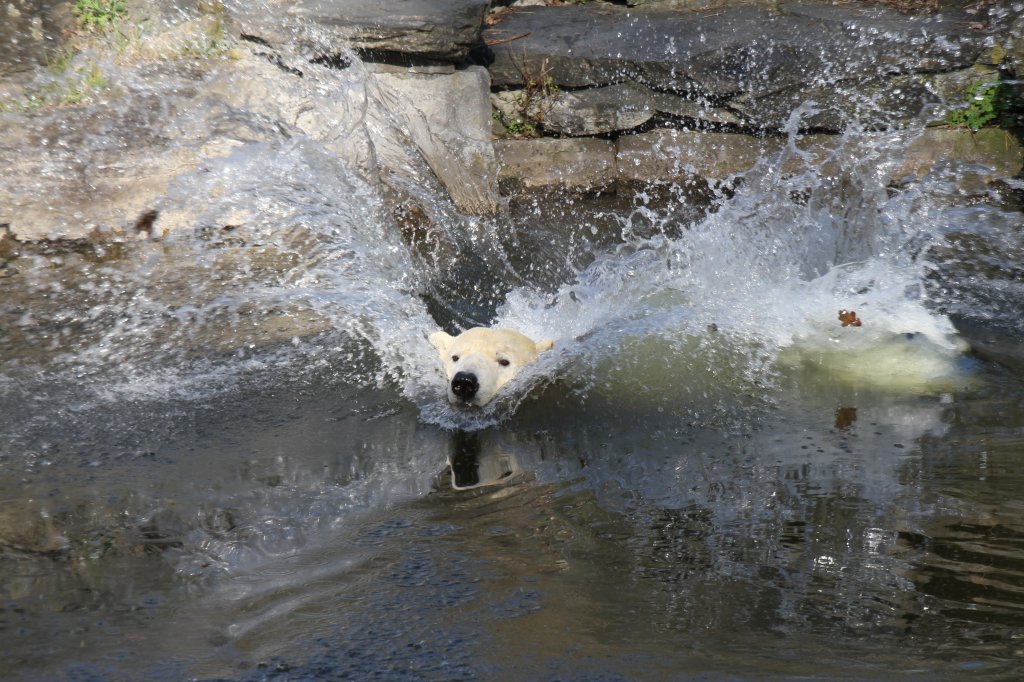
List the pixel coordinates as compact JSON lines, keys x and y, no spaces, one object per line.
{"x":478,"y":459}
{"x":723,"y":552}
{"x":226,"y":453}
{"x":633,"y":546}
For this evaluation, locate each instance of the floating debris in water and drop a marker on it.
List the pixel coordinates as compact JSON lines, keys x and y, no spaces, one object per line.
{"x":849,"y":318}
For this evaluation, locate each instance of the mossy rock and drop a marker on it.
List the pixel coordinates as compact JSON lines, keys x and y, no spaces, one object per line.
{"x":996,"y":148}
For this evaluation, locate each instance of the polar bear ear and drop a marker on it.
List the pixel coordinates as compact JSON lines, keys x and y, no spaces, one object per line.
{"x":441,"y":341}
{"x":544,"y":345}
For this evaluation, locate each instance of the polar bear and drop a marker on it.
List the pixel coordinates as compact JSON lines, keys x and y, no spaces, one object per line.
{"x":479,"y":361}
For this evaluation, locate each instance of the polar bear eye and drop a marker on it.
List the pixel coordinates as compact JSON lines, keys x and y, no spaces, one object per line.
{"x":503,"y":362}
{"x":455,"y":358}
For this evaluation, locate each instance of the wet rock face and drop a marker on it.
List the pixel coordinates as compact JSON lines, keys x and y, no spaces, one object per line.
{"x":51,"y":190}
{"x":575,"y":163}
{"x":448,"y":118}
{"x":1014,"y":47}
{"x":680,"y":156}
{"x":95,"y":170}
{"x":756,"y":61}
{"x":599,"y":110}
{"x":30,"y":32}
{"x":990,"y":147}
{"x":627,"y":75}
{"x":442,"y":30}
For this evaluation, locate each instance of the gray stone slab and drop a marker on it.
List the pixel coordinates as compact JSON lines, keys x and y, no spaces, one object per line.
{"x":434,"y":29}
{"x":572,"y":163}
{"x":680,"y":107}
{"x":743,"y":51}
{"x":448,"y":118}
{"x":680,"y":154}
{"x":597,"y":111}
{"x":31,"y":32}
{"x":997,"y":149}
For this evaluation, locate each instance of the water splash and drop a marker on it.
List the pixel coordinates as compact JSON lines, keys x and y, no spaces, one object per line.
{"x":315,"y":276}
{"x":805,"y":236}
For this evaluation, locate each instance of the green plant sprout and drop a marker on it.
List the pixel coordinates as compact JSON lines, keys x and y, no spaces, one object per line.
{"x":982,"y":106}
{"x":99,"y":15}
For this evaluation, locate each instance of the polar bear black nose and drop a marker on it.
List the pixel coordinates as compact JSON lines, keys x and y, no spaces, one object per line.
{"x":465,"y":385}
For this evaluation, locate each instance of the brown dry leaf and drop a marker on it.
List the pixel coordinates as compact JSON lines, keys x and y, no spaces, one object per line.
{"x":494,"y":18}
{"x":849,"y":318}
{"x":845,"y":417}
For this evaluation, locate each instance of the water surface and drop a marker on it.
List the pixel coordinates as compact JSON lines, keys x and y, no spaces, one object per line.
{"x":226,"y":453}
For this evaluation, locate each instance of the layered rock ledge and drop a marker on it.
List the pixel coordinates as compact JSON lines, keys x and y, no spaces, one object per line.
{"x":757,"y":62}
{"x":443,"y":30}
{"x":468,"y":94}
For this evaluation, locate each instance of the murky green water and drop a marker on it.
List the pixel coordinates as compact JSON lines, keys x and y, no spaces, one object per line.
{"x":310,"y":532}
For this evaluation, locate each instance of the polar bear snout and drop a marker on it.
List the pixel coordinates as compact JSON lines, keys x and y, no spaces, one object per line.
{"x":465,"y":385}
{"x":480,"y":361}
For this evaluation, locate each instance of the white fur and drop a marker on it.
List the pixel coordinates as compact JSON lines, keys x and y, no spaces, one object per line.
{"x":492,"y":356}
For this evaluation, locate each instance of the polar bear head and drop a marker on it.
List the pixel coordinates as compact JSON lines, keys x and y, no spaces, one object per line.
{"x":479,"y":361}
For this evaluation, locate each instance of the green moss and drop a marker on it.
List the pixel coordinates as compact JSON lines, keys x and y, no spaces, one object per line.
{"x":99,"y":15}
{"x":57,"y":62}
{"x":78,"y":87}
{"x":980,"y":107}
{"x":214,"y":42}
{"x":987,"y":103}
{"x":519,"y":126}
{"x":516,"y":125}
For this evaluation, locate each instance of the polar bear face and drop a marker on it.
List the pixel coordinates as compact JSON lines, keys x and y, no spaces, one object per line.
{"x":479,"y":361}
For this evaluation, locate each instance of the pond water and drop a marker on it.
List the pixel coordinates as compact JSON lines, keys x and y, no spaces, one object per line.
{"x":226,"y":454}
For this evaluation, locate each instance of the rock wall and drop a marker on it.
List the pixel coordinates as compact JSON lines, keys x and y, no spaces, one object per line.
{"x":589,"y":95}
{"x":741,"y":73}
{"x":527,"y":94}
